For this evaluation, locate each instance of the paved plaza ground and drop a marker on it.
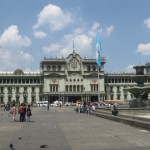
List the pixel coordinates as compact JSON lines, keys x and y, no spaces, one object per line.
{"x":63,"y":129}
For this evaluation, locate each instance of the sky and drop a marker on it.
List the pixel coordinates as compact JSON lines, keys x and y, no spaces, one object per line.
{"x":33,"y":29}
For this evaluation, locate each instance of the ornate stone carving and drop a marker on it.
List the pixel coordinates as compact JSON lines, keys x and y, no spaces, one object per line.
{"x":74,"y":64}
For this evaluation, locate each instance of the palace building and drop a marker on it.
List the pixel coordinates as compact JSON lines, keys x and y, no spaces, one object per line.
{"x":66,"y":79}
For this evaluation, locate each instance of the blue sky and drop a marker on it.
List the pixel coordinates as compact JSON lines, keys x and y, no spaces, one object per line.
{"x":33,"y":29}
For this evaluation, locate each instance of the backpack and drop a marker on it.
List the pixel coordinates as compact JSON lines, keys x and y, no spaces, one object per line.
{"x":29,"y":112}
{"x":21,"y":110}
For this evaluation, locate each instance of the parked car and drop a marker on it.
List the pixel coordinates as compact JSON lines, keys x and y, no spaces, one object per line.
{"x":2,"y":105}
{"x":67,"y":104}
{"x":56,"y":103}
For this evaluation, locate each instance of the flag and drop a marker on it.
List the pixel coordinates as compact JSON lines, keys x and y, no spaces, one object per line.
{"x":98,"y":49}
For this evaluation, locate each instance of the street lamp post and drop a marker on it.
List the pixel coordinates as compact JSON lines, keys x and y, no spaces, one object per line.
{"x":46,"y":99}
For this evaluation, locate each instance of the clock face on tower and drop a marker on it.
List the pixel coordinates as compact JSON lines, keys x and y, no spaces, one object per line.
{"x":74,"y":64}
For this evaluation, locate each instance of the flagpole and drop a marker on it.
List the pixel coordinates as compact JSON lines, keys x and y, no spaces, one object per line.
{"x":98,"y":87}
{"x":98,"y":61}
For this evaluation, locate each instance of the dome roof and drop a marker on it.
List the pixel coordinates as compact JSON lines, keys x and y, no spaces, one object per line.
{"x":18,"y":72}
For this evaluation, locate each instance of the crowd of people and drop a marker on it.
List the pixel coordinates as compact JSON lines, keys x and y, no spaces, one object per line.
{"x":85,"y":107}
{"x":23,"y":110}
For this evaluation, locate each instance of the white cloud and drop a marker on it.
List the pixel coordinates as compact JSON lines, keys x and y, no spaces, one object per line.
{"x":130,"y":69}
{"x":78,"y":30}
{"x":54,"y":17}
{"x":83,"y":41}
{"x":11,"y":52}
{"x":144,"y":49}
{"x":40,"y":34}
{"x":82,"y":38}
{"x":64,"y":52}
{"x":104,"y":31}
{"x":82,"y":44}
{"x":147,"y":23}
{"x":25,"y":56}
{"x":92,"y":31}
{"x":51,"y":48}
{"x":109,"y":30}
{"x":11,"y":38}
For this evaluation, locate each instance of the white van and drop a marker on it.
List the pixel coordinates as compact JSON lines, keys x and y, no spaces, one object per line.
{"x":56,"y":103}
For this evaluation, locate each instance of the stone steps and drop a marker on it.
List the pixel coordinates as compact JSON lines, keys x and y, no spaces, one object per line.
{"x":129,"y":119}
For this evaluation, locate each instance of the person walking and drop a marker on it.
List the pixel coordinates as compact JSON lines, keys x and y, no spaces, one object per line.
{"x":88,"y":109}
{"x":29,"y":113}
{"x":79,"y":107}
{"x":21,"y":113}
{"x":13,"y":111}
{"x":24,"y":112}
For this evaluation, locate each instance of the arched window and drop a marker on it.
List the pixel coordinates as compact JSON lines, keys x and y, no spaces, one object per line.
{"x":94,"y":68}
{"x":111,"y":88}
{"x":70,"y":88}
{"x":66,"y":88}
{"x":59,"y":68}
{"x":74,"y":88}
{"x":48,"y":68}
{"x":53,"y":68}
{"x":78,"y":88}
{"x":118,"y":88}
{"x":88,"y":68}
{"x":82,"y":88}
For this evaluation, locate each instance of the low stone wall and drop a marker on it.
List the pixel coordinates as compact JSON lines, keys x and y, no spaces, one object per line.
{"x":126,"y":118}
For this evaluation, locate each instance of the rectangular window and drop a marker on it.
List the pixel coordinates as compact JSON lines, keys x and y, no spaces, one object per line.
{"x":25,"y":99}
{"x":17,"y":89}
{"x":111,"y":97}
{"x":19,"y":80}
{"x":118,"y":97}
{"x":9,"y":99}
{"x":2,"y":89}
{"x":1,"y":99}
{"x":33,"y":99}
{"x":125,"y":97}
{"x":17,"y":99}
{"x":23,"y":80}
{"x":12,"y":81}
{"x":33,"y":89}
{"x":25,"y":89}
{"x":15,"y":80}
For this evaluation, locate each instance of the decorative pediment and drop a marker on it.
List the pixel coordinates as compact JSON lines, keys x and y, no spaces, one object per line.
{"x":73,"y":55}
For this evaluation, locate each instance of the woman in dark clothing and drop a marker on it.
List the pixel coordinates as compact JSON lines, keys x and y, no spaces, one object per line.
{"x":114,"y":110}
{"x":21,"y":113}
{"x":29,"y":113}
{"x":24,"y":112}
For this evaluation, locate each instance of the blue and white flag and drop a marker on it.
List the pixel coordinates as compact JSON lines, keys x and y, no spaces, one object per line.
{"x":98,"y":49}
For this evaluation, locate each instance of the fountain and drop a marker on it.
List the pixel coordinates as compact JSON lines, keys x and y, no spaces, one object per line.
{"x":140,"y":91}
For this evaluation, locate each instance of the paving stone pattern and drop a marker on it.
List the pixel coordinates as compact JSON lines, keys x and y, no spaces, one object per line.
{"x":63,"y":129}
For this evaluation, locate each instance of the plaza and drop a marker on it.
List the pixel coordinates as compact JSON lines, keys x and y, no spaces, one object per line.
{"x":63,"y":129}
